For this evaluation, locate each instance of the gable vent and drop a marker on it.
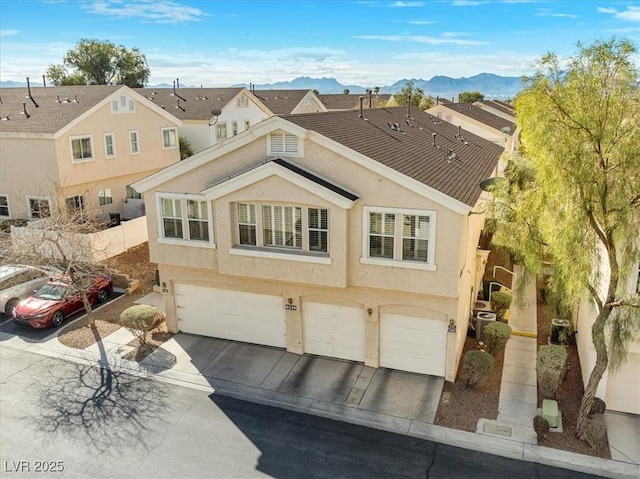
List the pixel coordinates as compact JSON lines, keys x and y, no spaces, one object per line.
{"x":283,"y":144}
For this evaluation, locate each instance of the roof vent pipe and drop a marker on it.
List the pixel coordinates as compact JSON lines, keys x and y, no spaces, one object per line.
{"x":370,"y":100}
{"x":30,"y":97}
{"x":433,"y":135}
{"x":24,"y":110}
{"x":409,"y":106}
{"x":178,"y":82}
{"x":361,"y":100}
{"x":44,"y":81}
{"x":437,"y":100}
{"x":459,"y":130}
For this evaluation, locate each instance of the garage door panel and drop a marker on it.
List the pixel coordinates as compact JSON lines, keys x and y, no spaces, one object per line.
{"x":623,"y":387}
{"x":413,"y":344}
{"x":228,"y":314}
{"x":333,"y":330}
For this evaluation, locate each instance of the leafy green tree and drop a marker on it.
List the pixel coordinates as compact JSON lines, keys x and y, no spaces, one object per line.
{"x":417,"y":95}
{"x":345,"y":91}
{"x":93,"y":62}
{"x":185,"y":148}
{"x":470,"y":96}
{"x":571,"y":196}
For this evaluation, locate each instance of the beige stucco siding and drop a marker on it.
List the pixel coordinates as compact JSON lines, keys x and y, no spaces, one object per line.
{"x":28,"y":167}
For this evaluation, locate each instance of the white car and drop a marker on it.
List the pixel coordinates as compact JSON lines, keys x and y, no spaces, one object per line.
{"x":17,"y":283}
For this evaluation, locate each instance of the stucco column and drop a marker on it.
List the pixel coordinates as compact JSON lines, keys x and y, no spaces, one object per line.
{"x":293,"y":324}
{"x":451,"y":363}
{"x":169,"y":307}
{"x":371,"y":337}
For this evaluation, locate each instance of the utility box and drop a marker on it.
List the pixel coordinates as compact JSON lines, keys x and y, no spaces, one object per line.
{"x":482,"y":319}
{"x":550,"y":411}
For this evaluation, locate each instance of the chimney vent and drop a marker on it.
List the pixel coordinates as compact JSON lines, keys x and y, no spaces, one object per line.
{"x":433,"y":135}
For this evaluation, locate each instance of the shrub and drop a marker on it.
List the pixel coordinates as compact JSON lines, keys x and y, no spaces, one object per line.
{"x":551,"y":363}
{"x":496,"y":335}
{"x":541,"y":427}
{"x":598,"y":406}
{"x":477,"y":365}
{"x":140,"y":319}
{"x":500,"y":302}
{"x":595,"y":430}
{"x":5,"y":226}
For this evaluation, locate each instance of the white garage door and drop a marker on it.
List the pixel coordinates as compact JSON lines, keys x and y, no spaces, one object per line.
{"x":227,"y":314}
{"x":334,"y":331}
{"x":413,"y":344}
{"x":623,"y":387}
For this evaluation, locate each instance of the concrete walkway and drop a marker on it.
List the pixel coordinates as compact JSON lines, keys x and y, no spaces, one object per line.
{"x":518,"y":390}
{"x":394,"y":401}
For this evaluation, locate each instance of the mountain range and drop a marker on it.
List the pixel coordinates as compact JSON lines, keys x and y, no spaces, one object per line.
{"x":490,"y":85}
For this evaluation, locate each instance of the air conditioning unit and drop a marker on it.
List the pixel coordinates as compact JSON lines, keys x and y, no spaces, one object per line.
{"x":481,"y":306}
{"x":482,"y":319}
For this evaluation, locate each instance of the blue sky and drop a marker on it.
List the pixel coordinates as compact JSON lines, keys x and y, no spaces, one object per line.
{"x":366,"y":43}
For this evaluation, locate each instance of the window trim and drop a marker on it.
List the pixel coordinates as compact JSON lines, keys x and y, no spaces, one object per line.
{"x":105,"y":196}
{"x":397,"y":260}
{"x":170,"y":146}
{"x":91,"y":146}
{"x":319,"y":229}
{"x":260,"y":249}
{"x":219,"y":127}
{"x":39,"y":198}
{"x":184,"y":198}
{"x":113,"y":145}
{"x":137,"y":152}
{"x":8,"y":206}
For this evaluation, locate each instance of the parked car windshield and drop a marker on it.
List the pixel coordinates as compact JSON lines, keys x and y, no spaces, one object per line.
{"x":51,"y":292}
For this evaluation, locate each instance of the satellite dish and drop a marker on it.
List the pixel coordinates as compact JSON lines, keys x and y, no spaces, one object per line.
{"x":216,"y":112}
{"x":490,"y":183}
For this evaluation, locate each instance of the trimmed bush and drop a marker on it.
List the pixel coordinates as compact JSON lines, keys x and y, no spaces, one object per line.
{"x":496,"y":335}
{"x":500,"y":302}
{"x":140,"y":319}
{"x":477,"y":365}
{"x":551,"y":363}
{"x":595,"y":430}
{"x":541,"y":427}
{"x":598,"y":406}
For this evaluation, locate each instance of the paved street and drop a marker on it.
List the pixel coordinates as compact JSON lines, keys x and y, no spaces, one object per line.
{"x":85,"y":422}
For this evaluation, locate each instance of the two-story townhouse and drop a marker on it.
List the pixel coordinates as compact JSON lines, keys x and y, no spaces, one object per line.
{"x":479,"y":121}
{"x":80,"y":148}
{"x":348,"y":234}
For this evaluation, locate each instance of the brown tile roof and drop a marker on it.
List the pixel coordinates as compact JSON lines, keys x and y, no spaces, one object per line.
{"x":190,"y":103}
{"x":483,"y":116}
{"x":500,"y":106}
{"x":340,"y":101}
{"x":455,"y":166}
{"x":280,"y":102}
{"x":57,"y":106}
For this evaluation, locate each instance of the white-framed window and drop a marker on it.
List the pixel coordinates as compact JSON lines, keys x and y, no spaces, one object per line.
{"x":247,"y":124}
{"x":399,"y":237}
{"x":4,"y":206}
{"x":221,"y":131}
{"x":247,"y":224}
{"x":105,"y":197}
{"x":284,"y":144}
{"x":234,"y":128}
{"x":185,"y":219}
{"x":81,"y":148}
{"x":318,"y":230}
{"x":169,"y":138}
{"x":283,"y":228}
{"x":109,"y":145}
{"x":75,"y":206}
{"x":39,"y":207}
{"x":134,"y":142}
{"x":132,"y":194}
{"x":242,"y":101}
{"x":123,"y":104}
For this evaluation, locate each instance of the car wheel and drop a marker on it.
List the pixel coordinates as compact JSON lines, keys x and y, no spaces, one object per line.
{"x":102,"y":296}
{"x":10,"y":306}
{"x":57,"y":319}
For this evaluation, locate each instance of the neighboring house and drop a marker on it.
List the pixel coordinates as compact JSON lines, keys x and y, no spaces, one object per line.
{"x":478,"y":121}
{"x":80,"y":148}
{"x":498,"y":108}
{"x":289,"y":102}
{"x":350,"y":234}
{"x":341,"y":101}
{"x":211,"y":115}
{"x":620,"y":390}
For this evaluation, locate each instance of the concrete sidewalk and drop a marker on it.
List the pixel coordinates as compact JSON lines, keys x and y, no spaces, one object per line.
{"x":394,"y":401}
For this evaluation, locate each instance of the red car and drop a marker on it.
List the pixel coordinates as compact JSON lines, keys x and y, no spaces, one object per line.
{"x":50,"y":305}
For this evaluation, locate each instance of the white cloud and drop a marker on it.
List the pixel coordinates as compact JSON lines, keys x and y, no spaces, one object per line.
{"x":467,"y":3}
{"x":7,"y":33}
{"x":547,"y":12}
{"x":454,"y":34}
{"x":631,"y":14}
{"x":422,"y":22}
{"x":607,"y":10}
{"x":422,"y":39}
{"x":152,"y":11}
{"x":401,"y":4}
